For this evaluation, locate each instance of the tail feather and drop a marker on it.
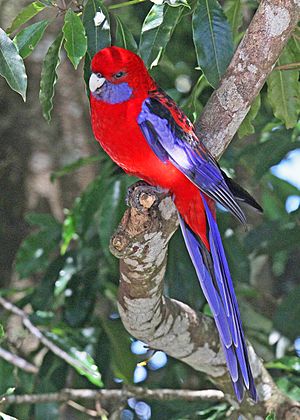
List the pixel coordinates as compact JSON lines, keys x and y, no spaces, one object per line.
{"x":241,"y":194}
{"x":214,"y":276}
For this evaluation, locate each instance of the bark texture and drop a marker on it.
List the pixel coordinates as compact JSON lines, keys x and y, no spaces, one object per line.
{"x":142,"y":238}
{"x":251,"y":64}
{"x":141,"y":242}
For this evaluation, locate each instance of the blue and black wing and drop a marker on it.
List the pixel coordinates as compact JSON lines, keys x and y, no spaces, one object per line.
{"x":172,"y":138}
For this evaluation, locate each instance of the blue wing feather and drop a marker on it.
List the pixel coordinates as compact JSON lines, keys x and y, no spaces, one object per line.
{"x":180,"y":145}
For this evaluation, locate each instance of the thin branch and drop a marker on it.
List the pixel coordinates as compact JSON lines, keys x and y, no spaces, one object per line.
{"x":117,"y":394}
{"x":82,"y":409}
{"x":39,"y":335}
{"x":289,"y":66}
{"x":18,"y":361}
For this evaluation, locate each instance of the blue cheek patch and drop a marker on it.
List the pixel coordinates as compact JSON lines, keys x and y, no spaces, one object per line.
{"x":114,"y":94}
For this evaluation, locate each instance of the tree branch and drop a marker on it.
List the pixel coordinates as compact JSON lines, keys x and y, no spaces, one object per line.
{"x":250,"y":66}
{"x":18,"y":361}
{"x":40,"y":336}
{"x":141,"y":243}
{"x":108,"y":395}
{"x":142,"y":238}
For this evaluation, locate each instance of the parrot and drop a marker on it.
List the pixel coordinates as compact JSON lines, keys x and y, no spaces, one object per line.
{"x":144,"y":132}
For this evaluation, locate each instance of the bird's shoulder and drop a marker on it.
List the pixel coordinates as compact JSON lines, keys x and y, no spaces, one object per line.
{"x":161,"y":104}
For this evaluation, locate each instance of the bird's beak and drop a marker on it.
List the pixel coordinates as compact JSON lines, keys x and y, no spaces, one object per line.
{"x":95,"y":82}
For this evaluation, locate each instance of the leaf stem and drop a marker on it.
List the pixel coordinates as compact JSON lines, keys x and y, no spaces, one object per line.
{"x":289,"y":66}
{"x":125,"y":3}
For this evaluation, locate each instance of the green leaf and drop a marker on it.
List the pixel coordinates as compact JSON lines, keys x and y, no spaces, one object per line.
{"x":79,"y":163}
{"x":123,"y":361}
{"x":83,"y":362}
{"x":287,"y":315}
{"x":271,"y":416}
{"x":272,"y":150}
{"x":213,"y":40}
{"x":290,"y":386}
{"x":26,"y":14}
{"x":288,"y":363}
{"x":157,"y":30}
{"x":75,"y":37}
{"x":98,"y":30}
{"x":1,"y":331}
{"x":112,"y":210}
{"x":11,"y":65}
{"x":233,"y":12}
{"x":124,"y":37}
{"x":49,"y":76}
{"x":33,"y":254}
{"x":284,"y":90}
{"x":27,"y":40}
{"x":247,"y":127}
{"x":43,"y":220}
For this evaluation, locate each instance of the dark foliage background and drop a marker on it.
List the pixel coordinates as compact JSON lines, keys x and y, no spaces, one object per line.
{"x":61,"y":198}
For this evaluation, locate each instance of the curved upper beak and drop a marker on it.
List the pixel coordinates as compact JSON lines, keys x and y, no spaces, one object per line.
{"x":95,"y":82}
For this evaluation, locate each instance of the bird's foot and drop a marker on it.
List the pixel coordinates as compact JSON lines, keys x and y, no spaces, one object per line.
{"x":143,"y":196}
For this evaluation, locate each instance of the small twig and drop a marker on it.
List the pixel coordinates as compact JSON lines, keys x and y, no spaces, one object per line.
{"x":18,"y":361}
{"x":289,"y":66}
{"x":82,"y":409}
{"x":66,"y":395}
{"x":39,"y":335}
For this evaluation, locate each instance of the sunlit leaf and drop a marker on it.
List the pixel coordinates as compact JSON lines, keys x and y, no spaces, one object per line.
{"x":7,"y":417}
{"x":27,"y":40}
{"x":213,"y":39}
{"x":11,"y":65}
{"x":97,"y":27}
{"x":247,"y":127}
{"x":96,"y":23}
{"x":284,"y":90}
{"x":75,"y":37}
{"x":83,"y":362}
{"x":49,"y":76}
{"x":26,"y":14}
{"x":288,"y":363}
{"x":157,"y":31}
{"x":124,"y":37}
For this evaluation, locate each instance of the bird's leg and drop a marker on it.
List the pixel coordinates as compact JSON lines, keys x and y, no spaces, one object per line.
{"x":142,"y":196}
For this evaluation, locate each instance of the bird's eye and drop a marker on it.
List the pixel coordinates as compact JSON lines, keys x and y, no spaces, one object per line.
{"x":119,"y":74}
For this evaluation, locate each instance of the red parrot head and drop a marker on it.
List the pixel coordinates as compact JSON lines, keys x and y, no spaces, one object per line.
{"x":118,"y":75}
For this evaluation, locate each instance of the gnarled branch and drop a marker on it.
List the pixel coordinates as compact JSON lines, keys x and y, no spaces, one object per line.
{"x":142,"y":238}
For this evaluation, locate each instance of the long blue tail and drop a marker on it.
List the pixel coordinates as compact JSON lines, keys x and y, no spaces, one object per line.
{"x":215,"y":280}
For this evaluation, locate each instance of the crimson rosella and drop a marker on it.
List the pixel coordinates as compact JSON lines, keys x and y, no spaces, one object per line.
{"x":145,"y":133}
